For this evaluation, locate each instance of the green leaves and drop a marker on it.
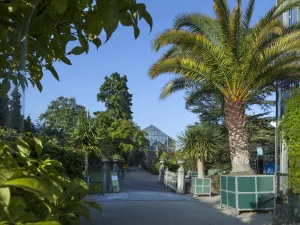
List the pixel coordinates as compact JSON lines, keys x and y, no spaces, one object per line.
{"x":144,"y":14}
{"x":94,"y":205}
{"x":24,"y":148}
{"x":4,"y":87}
{"x":38,"y":146}
{"x":84,"y":43}
{"x":290,"y":127}
{"x":77,"y":50}
{"x":30,"y":184}
{"x":53,"y":71}
{"x":60,"y":5}
{"x":48,"y":196}
{"x":44,"y":223}
{"x":97,"y":42}
{"x":66,"y":60}
{"x":57,"y":24}
{"x":4,"y":196}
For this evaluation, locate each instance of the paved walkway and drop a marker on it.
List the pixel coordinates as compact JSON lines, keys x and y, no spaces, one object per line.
{"x":144,"y":201}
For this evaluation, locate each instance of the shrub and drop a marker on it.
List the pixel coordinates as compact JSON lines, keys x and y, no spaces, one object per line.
{"x":215,"y":182}
{"x":150,"y":167}
{"x":34,"y":190}
{"x":72,"y":160}
{"x":291,"y":132}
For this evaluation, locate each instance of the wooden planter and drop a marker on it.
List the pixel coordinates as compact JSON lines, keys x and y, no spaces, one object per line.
{"x":248,"y":193}
{"x":201,"y":186}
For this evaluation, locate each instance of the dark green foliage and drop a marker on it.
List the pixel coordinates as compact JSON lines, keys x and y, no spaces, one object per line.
{"x":114,"y":94}
{"x":86,"y":138}
{"x":215,"y":183}
{"x":15,"y":116}
{"x":150,"y":167}
{"x":34,"y":189}
{"x":170,"y":161}
{"x":61,"y":117}
{"x":291,"y":132}
{"x":202,"y":141}
{"x":208,"y":103}
{"x":71,"y":160}
{"x":262,"y":133}
{"x":4,"y":110}
{"x":120,"y":136}
{"x":28,"y":125}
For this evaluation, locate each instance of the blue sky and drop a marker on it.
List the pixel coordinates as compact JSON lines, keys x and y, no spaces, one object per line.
{"x":123,"y":54}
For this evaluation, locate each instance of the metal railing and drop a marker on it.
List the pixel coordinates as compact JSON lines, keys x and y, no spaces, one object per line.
{"x":170,"y":180}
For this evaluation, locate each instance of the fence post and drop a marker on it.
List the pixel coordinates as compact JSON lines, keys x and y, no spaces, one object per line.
{"x":105,"y":176}
{"x":161,"y":171}
{"x":180,"y":176}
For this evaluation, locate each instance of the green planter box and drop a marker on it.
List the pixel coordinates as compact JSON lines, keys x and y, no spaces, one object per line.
{"x":248,"y":193}
{"x":194,"y":174}
{"x":201,"y":186}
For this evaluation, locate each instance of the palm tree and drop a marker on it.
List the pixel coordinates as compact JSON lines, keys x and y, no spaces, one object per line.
{"x":86,"y":137}
{"x":237,"y":60}
{"x":201,"y":142}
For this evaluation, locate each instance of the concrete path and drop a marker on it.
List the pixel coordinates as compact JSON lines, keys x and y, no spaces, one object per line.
{"x":144,"y":201}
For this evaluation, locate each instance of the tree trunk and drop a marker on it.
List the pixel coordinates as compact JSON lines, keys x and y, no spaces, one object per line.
{"x":235,"y":118}
{"x":200,"y":168}
{"x":86,"y":164}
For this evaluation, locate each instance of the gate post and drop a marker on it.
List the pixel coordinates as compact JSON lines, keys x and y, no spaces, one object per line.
{"x":180,"y":176}
{"x":161,"y":171}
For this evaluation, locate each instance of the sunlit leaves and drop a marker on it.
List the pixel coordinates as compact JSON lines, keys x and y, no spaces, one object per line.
{"x":291,"y":130}
{"x":4,"y":196}
{"x":38,"y":145}
{"x":34,"y":192}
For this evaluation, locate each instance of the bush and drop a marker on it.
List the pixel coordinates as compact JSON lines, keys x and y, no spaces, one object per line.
{"x":72,"y":160}
{"x":291,"y":132}
{"x":215,"y":183}
{"x":150,"y":167}
{"x":34,"y":190}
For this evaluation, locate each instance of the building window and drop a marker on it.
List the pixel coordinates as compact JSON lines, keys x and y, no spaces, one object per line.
{"x":291,"y":17}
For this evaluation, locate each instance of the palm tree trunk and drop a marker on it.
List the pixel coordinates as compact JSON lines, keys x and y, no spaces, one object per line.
{"x":86,"y":164}
{"x":200,"y":168}
{"x":235,"y":117}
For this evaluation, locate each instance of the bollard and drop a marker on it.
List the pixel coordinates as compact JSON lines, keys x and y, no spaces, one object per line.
{"x":180,"y":176}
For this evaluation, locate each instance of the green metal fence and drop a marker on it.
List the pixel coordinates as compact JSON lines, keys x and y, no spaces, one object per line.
{"x":248,"y":193}
{"x":201,"y":186}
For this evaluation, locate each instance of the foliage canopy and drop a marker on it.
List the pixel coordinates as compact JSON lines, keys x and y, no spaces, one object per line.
{"x":36,"y":33}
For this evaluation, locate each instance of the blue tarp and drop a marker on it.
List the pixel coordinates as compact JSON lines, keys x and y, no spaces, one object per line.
{"x":270,"y":169}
